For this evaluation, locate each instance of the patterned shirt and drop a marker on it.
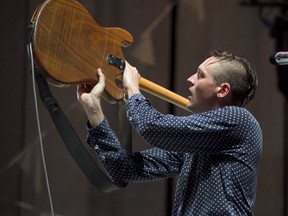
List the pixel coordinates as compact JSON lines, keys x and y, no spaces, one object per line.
{"x":215,"y":154}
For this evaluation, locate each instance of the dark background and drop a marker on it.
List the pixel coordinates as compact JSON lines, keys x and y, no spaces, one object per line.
{"x":199,"y":26}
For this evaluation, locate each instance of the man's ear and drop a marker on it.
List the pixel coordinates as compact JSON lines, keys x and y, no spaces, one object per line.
{"x":224,"y":90}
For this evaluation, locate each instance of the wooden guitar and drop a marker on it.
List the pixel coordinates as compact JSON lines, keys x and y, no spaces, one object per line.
{"x":69,"y":45}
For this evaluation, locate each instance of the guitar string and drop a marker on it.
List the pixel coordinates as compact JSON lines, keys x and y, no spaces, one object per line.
{"x":104,"y":50}
{"x":39,"y":130}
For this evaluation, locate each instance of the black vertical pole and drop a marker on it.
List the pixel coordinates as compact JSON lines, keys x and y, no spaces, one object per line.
{"x":280,"y":33}
{"x":173,"y":59}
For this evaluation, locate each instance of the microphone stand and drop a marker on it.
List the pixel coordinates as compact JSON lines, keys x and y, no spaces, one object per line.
{"x":173,"y":61}
{"x":279,"y":31}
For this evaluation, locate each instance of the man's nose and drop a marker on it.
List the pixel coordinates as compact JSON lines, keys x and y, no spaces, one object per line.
{"x":191,"y":80}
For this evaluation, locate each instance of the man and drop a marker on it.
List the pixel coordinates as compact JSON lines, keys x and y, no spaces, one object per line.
{"x":215,"y":151}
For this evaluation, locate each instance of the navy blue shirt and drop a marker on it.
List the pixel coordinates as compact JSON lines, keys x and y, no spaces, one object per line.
{"x":215,"y":154}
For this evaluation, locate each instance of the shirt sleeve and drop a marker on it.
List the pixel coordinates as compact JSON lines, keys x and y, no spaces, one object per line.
{"x":216,"y":131}
{"x":125,"y":167}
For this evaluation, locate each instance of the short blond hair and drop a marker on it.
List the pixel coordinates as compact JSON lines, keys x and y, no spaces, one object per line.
{"x":236,"y":71}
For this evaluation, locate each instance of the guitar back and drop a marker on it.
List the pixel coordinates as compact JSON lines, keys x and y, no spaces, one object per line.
{"x":69,"y":45}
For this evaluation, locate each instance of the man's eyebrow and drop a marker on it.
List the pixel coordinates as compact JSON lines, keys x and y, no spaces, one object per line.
{"x":199,"y":70}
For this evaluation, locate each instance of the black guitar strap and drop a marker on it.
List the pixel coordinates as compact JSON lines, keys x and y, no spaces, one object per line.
{"x":73,"y":143}
{"x":71,"y":139}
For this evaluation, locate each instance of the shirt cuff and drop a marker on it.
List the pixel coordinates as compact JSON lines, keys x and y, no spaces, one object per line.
{"x":133,"y":104}
{"x":95,"y":131}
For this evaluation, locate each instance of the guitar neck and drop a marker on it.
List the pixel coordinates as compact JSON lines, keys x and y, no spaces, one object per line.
{"x":163,"y":93}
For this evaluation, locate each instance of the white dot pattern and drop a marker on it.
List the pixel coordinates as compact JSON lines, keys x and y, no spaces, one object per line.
{"x":216,"y":155}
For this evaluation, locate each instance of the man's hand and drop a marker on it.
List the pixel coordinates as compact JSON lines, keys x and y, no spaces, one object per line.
{"x":131,"y":79}
{"x":90,"y":98}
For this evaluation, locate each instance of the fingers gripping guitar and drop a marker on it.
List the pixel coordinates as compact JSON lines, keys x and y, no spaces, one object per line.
{"x":151,"y":87}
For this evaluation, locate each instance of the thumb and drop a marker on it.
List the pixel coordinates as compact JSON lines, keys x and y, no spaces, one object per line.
{"x":100,"y":86}
{"x":101,"y":77}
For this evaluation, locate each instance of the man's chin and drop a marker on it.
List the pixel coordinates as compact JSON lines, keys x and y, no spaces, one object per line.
{"x":191,"y":107}
{"x":194,"y":108}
